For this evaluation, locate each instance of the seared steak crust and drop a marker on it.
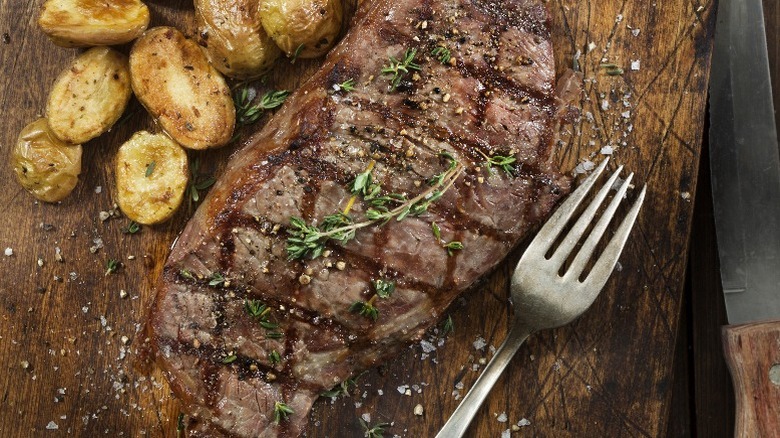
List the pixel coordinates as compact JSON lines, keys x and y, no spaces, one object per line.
{"x":496,"y":97}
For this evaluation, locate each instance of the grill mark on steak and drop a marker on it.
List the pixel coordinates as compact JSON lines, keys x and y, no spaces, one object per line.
{"x":300,"y":164}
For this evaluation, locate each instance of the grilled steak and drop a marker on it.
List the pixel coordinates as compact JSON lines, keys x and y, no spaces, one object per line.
{"x":248,"y":326}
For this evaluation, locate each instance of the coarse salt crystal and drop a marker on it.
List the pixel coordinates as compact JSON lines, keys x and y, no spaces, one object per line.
{"x":607,"y":150}
{"x":635,"y":32}
{"x":98,"y":189}
{"x":480,"y":343}
{"x":502,"y":418}
{"x":366,"y":417}
{"x":604,"y":104}
{"x":402,"y":389}
{"x":9,"y":251}
{"x":506,"y":434}
{"x":426,"y":346}
{"x":524,"y":422}
{"x":418,"y":410}
{"x":635,"y":65}
{"x":52,"y":426}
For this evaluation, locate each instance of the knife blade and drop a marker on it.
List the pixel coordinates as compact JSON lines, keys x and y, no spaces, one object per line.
{"x":745,"y":168}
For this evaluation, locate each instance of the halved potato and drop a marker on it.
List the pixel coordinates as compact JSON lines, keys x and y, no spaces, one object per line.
{"x":78,"y":23}
{"x":173,"y":79}
{"x":302,"y":28}
{"x":151,"y":177}
{"x":235,"y":41}
{"x":45,"y":166}
{"x":89,"y":96}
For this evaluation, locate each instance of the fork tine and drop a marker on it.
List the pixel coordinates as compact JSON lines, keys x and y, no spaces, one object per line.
{"x":546,"y":236}
{"x":584,"y":253}
{"x":606,"y":263}
{"x":577,"y":231}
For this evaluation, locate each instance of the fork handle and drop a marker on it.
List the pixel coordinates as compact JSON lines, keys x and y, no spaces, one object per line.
{"x":459,"y":422}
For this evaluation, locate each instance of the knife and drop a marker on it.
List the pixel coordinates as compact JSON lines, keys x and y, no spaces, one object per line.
{"x":745,"y":170}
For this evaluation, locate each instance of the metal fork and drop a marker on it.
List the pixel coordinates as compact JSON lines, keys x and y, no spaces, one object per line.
{"x":544,"y":299}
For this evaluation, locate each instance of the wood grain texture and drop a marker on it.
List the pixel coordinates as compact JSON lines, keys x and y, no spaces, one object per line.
{"x":753,"y":356}
{"x":607,"y":374}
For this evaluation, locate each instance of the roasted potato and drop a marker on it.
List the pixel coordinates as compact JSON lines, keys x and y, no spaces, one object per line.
{"x":235,"y":41}
{"x":79,"y":23}
{"x":89,"y":96}
{"x":151,"y":177}
{"x":302,"y":28}
{"x":173,"y":79}
{"x":45,"y":166}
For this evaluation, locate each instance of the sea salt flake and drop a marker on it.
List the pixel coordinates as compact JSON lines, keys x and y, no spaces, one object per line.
{"x":506,"y":434}
{"x":480,"y":343}
{"x":52,"y":426}
{"x":426,"y":346}
{"x":502,"y":418}
{"x":607,"y":150}
{"x":635,"y":65}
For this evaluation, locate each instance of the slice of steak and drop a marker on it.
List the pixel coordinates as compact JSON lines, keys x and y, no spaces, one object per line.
{"x":247,"y":337}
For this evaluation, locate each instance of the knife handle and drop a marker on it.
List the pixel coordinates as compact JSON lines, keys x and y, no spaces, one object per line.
{"x":753,"y":356}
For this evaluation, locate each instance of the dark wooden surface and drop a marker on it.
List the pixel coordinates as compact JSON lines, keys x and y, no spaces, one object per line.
{"x":609,"y":373}
{"x":703,"y":402}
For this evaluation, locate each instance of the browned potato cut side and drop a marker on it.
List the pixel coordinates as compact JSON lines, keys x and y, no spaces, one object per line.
{"x":235,"y":41}
{"x":89,"y":96}
{"x":151,"y":177}
{"x":78,"y":23}
{"x":302,"y":28}
{"x":45,"y":166}
{"x":173,"y":79}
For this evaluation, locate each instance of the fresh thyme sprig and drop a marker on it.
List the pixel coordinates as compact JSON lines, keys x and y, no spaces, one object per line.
{"x":399,"y":68}
{"x":111,"y":266}
{"x":442,"y":54}
{"x":260,"y":311}
{"x":384,"y":288}
{"x":217,"y":279}
{"x":506,"y":163}
{"x":309,"y":240}
{"x":132,"y":228}
{"x":366,"y":308}
{"x":343,"y":387}
{"x":281,"y":411}
{"x":198,"y":182}
{"x":346,"y":86}
{"x":247,"y":112}
{"x":373,"y":432}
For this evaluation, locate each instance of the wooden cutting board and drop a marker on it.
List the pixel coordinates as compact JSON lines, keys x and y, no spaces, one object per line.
{"x":67,"y":335}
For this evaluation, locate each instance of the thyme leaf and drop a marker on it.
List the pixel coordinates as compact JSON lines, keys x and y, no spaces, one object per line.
{"x":111,"y":266}
{"x":198,"y":182}
{"x":365,"y":308}
{"x":274,"y":357}
{"x":384,"y":288}
{"x":281,"y":412}
{"x":229,"y":359}
{"x":448,"y":326}
{"x":132,"y":228}
{"x":150,"y":168}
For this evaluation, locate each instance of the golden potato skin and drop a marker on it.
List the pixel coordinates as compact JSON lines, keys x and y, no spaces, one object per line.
{"x":309,"y":27}
{"x":44,"y":165}
{"x":173,"y":79}
{"x":89,"y":96}
{"x":235,"y":41}
{"x":80,"y":23}
{"x":151,"y":177}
